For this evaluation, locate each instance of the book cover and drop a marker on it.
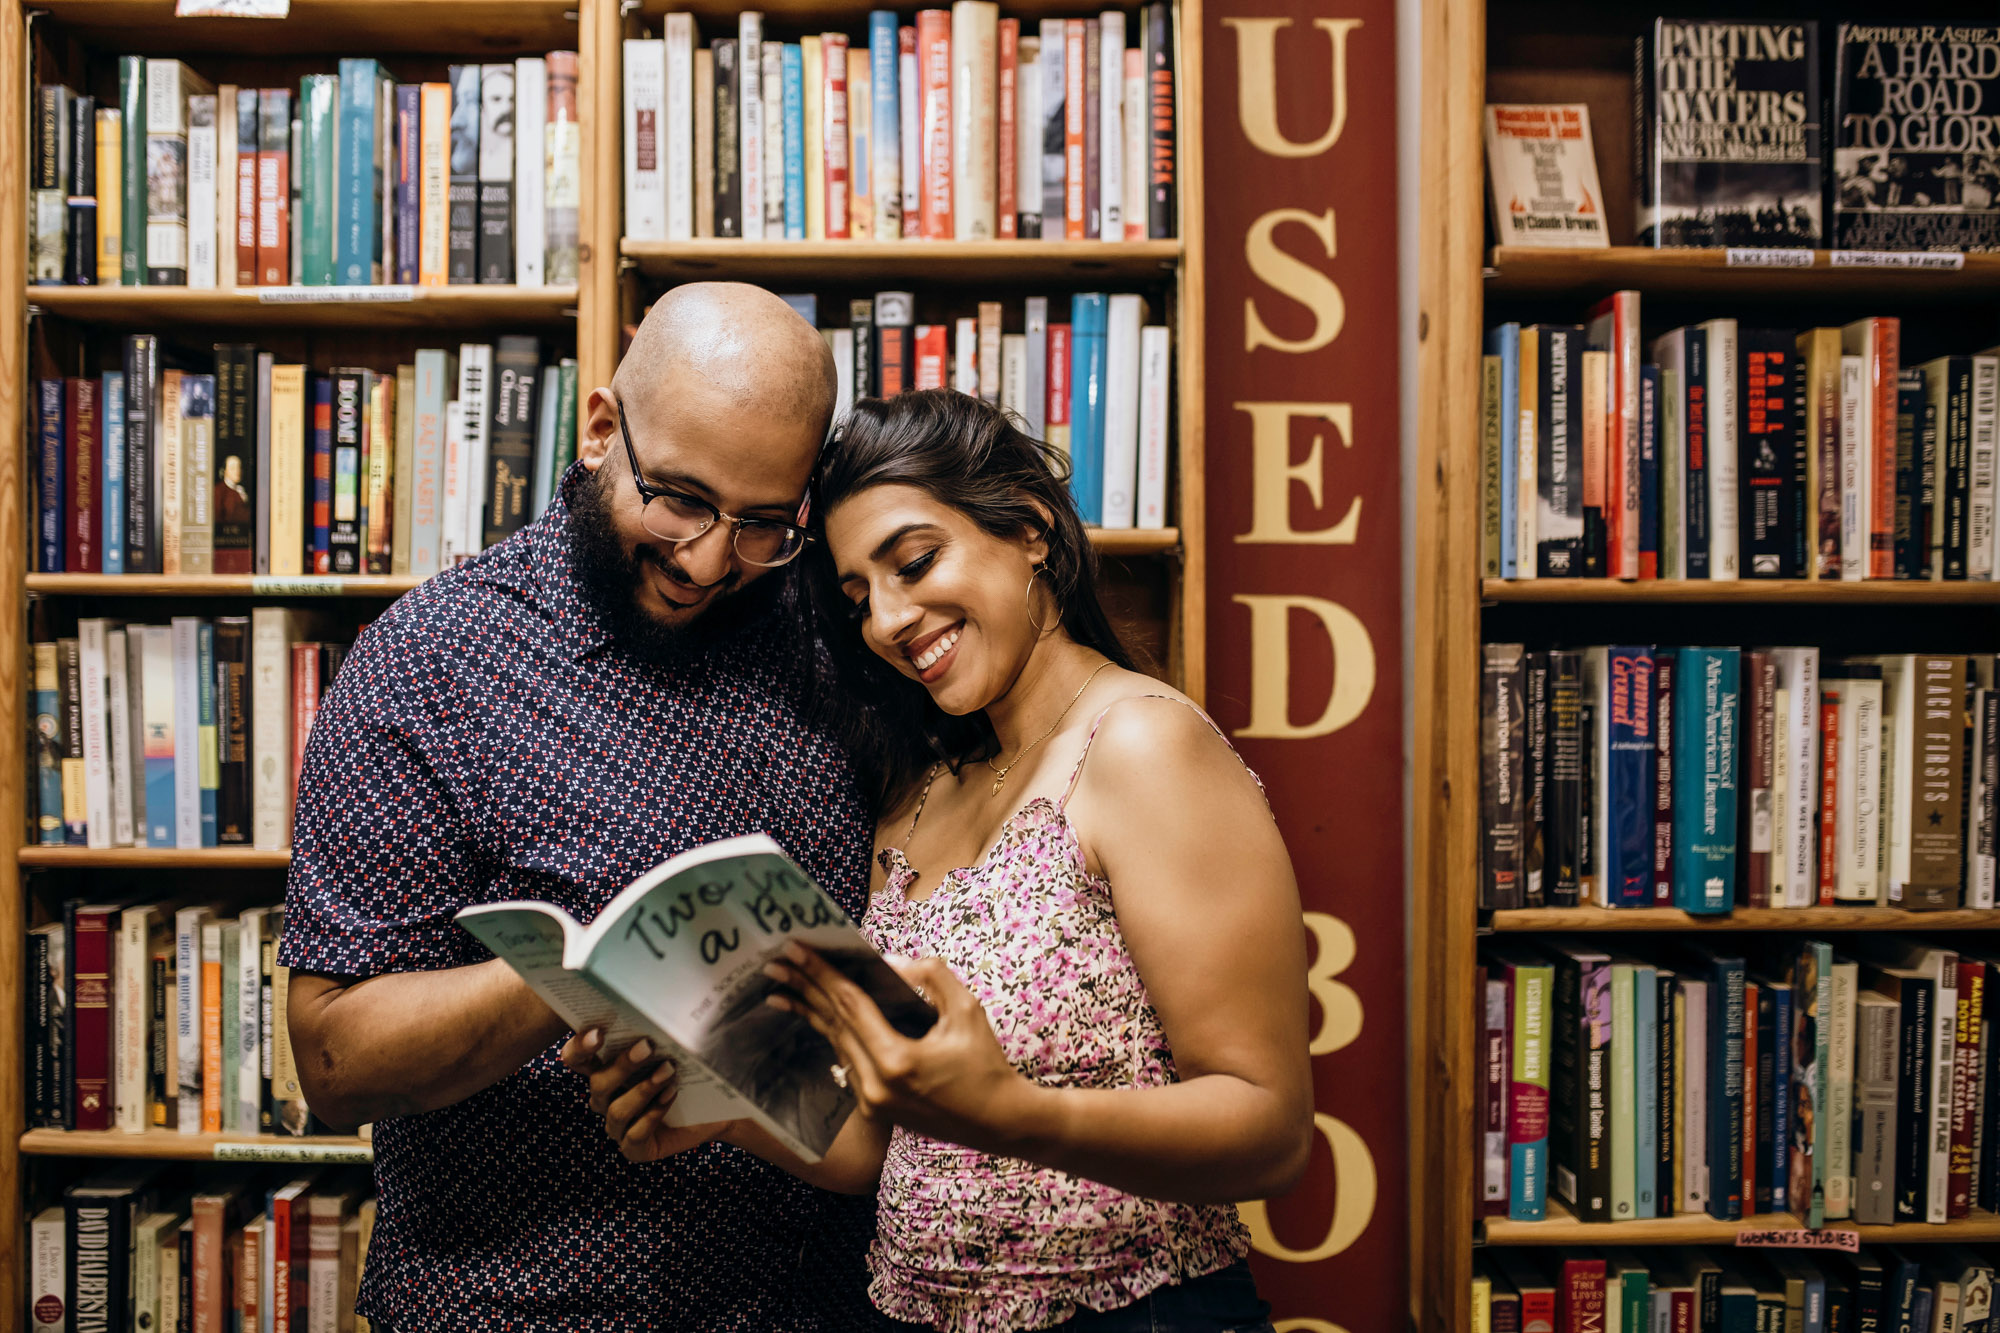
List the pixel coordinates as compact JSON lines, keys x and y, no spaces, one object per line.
{"x":1161,"y":197}
{"x":80,"y":257}
{"x":236,"y":473}
{"x":885,"y":147}
{"x":510,"y":451}
{"x":531,"y":239}
{"x":1502,"y":750}
{"x":1541,"y":180}
{"x":971,"y":119}
{"x":462,"y":194}
{"x":494,"y":248}
{"x":562,"y":186}
{"x":133,"y":184}
{"x":1706,"y":707}
{"x":350,"y":395}
{"x":277,"y":184}
{"x":1558,"y":497}
{"x":934,"y":108}
{"x":1579,"y":1128}
{"x":1729,"y":152}
{"x":1765,"y":467}
{"x":1755,"y":842}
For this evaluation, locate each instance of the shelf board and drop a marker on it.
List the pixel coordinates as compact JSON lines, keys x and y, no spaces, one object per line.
{"x":1700,"y":1229}
{"x":154,"y":858}
{"x":881,"y":263}
{"x":1135,"y":541}
{"x":166,"y":1145}
{"x":1547,"y":920}
{"x":467,"y":29}
{"x":1870,"y":592}
{"x":266,"y":307}
{"x":1523,"y":271}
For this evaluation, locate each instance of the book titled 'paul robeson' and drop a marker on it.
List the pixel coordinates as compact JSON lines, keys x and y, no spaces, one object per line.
{"x":1916,"y":152}
{"x":1729,"y":152}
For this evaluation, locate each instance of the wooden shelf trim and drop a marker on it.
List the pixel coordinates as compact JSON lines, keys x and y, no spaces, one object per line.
{"x":464,"y":28}
{"x":157,"y":858}
{"x":1529,"y":272}
{"x":1545,"y":920}
{"x":166,"y":1145}
{"x":1869,"y":592}
{"x":885,"y":261}
{"x":320,"y":307}
{"x":1700,"y":1229}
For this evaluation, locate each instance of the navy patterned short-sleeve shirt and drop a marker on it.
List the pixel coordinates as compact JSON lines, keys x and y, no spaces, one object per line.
{"x":486,"y":741}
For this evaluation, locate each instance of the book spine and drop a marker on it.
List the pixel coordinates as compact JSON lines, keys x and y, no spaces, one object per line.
{"x":378,"y":464}
{"x":1934,"y":795}
{"x":1968,"y":1018}
{"x":1828,"y":774}
{"x":1076,"y":219}
{"x":132,"y":170}
{"x":475,"y":391}
{"x":270,"y":729}
{"x":118,"y":689}
{"x":197,"y":475}
{"x":1649,"y":471}
{"x":1051,"y":135}
{"x":1884,"y":357}
{"x":52,"y":475}
{"x":1058,"y":401}
{"x":834,"y":134}
{"x":1909,"y":473}
{"x":232,"y":664}
{"x":83,"y":553}
{"x":350,"y":391}
{"x":1594,"y":1134}
{"x":793,"y":71}
{"x":434,"y":183}
{"x":1155,"y":422}
{"x":1767,"y":429}
{"x":1093,"y":130}
{"x":724,"y":144}
{"x":531,"y":236}
{"x":462,"y":194}
{"x":677,"y":151}
{"x":934,"y":102}
{"x":510,"y":455}
{"x":92,"y":673}
{"x":1162,"y":154}
{"x":1622,"y":1097}
{"x":1696,"y":420}
{"x":1759,"y":693}
{"x":1007,"y":133}
{"x":80,"y":200}
{"x":1664,"y":666}
{"x":91,"y":1053}
{"x":408,"y":180}
{"x":885,"y":140}
{"x":110,"y":196}
{"x":201,"y":220}
{"x":1833,"y":1091}
{"x":74,"y":807}
{"x":1760,"y":1065}
{"x":972,"y":123}
{"x":166,"y":173}
{"x":1913,"y":1100}
{"x":562,"y":185}
{"x":1567,"y":795}
{"x":1631,"y":777}
{"x":497,"y":111}
{"x":1725,"y":1075}
{"x":275,"y":258}
{"x":1494,"y":1008}
{"x":1705,"y":774}
{"x":1502,"y":798}
{"x":1087,"y":384}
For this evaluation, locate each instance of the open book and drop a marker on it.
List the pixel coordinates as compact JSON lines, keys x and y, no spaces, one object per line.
{"x":678,"y":957}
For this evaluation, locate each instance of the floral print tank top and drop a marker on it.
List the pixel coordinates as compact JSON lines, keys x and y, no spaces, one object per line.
{"x":972,"y":1243}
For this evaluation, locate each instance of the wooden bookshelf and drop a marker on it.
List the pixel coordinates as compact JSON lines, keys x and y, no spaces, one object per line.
{"x":1474,"y":51}
{"x":1010,"y":263}
{"x":371,"y":308}
{"x":166,"y":1145}
{"x":463,"y":28}
{"x":152,"y":858}
{"x":1561,"y":1228}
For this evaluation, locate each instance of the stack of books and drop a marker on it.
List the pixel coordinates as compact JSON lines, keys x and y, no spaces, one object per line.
{"x":1724,"y":452}
{"x":248,"y":1249}
{"x":183,"y":735}
{"x":1830,"y":1082}
{"x":352,"y":179}
{"x":231,"y":462}
{"x":1634,"y":775}
{"x":961,"y":126}
{"x":1923,"y":1289}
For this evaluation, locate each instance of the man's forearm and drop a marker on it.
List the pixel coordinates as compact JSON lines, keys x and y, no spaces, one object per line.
{"x":407,"y":1042}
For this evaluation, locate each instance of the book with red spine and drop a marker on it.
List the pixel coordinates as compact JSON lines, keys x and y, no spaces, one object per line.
{"x":1057,"y":414}
{"x":1829,"y":798}
{"x":1074,"y":123}
{"x":218,"y":1214}
{"x":933,"y":355}
{"x":1750,"y":1083}
{"x":833,"y":132}
{"x":1756,"y":836}
{"x":305,"y":700}
{"x":1966,"y":1069}
{"x":288,"y":1231}
{"x":1614,"y":328}
{"x":92,"y":932}
{"x":1579,"y":1297}
{"x":1006,"y":224}
{"x":1878,"y":341}
{"x":82,"y":552}
{"x":274,"y":187}
{"x":250,"y":1276}
{"x":247,"y":160}
{"x":934,"y":120}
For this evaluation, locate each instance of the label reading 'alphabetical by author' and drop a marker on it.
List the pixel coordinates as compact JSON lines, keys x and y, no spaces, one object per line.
{"x":1943,"y":261}
{"x":329,"y":1154}
{"x":383,"y":295}
{"x":1797,"y":1238}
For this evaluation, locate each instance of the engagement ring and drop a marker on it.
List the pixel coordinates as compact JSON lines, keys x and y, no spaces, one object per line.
{"x":839,"y":1073}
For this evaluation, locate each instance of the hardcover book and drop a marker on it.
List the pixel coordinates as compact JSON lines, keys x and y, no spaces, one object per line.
{"x":1729,"y":152}
{"x":1541,"y":177}
{"x":678,"y":958}
{"x":462,"y":226}
{"x":496,"y":173}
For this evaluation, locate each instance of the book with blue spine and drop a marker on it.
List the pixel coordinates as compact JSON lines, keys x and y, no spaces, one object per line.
{"x":1774,"y":1026}
{"x":1808,"y":1135}
{"x":157,"y":702}
{"x":1086,"y":412}
{"x":208,"y":752}
{"x":1646,"y":1091}
{"x":1707,"y":689}
{"x":793,"y":68}
{"x":1624,"y":1093}
{"x":408,"y":178}
{"x":48,"y":746}
{"x":1505,"y":343}
{"x":1724,"y":973}
{"x":886,"y":144}
{"x":112,"y":396}
{"x":1630,"y":775}
{"x":52,"y":471}
{"x":357,"y":221}
{"x":318,"y":170}
{"x":1649,"y":471}
{"x":1786,"y":1001}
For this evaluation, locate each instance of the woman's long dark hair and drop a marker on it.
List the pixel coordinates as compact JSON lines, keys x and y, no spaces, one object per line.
{"x":969,"y":455}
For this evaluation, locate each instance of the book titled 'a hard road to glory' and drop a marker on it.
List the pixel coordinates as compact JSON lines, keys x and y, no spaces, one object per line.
{"x":678,"y":958}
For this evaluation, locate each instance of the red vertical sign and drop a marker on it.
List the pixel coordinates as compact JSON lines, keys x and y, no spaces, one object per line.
{"x":1305,"y":587}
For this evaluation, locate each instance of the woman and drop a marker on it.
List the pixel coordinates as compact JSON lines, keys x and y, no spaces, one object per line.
{"x":1116,"y":959}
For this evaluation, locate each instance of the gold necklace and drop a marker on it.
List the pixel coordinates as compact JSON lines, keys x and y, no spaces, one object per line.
{"x":1003,"y":772}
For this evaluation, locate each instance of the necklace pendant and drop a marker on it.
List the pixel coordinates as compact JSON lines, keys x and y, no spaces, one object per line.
{"x":996,"y":785}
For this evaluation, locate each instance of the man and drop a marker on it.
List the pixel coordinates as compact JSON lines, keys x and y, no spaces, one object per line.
{"x":612,"y":685}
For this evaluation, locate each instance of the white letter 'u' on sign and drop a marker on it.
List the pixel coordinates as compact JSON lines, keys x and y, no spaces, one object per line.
{"x":1257,"y":84}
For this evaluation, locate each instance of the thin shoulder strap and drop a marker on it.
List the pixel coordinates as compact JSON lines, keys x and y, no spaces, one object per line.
{"x":911,"y":831}
{"x":1077,"y":772}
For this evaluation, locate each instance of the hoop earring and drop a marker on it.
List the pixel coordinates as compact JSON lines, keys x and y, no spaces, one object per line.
{"x":1033,"y":574}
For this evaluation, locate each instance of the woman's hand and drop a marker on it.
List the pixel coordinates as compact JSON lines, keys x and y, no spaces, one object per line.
{"x":953,"y":1083}
{"x":634,"y":1093}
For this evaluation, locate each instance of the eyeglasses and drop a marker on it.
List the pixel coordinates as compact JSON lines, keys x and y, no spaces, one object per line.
{"x":674,"y":516}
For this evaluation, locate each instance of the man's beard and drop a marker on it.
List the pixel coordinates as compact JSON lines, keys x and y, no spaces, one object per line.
{"x":613,"y":579}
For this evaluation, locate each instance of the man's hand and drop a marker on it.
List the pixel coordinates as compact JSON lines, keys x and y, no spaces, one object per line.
{"x":633,"y":1093}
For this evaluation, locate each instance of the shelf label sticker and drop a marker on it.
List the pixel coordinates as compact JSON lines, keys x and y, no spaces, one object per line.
{"x":286,"y":585}
{"x":1949,"y":261}
{"x":383,"y":295}
{"x":232,"y":9}
{"x":1751,"y":257}
{"x":330,"y":1154}
{"x":1798,"y":1238}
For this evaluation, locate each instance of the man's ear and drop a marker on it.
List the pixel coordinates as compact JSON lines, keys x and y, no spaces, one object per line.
{"x":600,"y":430}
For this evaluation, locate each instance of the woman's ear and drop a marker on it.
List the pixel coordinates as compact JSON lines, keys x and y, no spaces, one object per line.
{"x":1036,"y":538}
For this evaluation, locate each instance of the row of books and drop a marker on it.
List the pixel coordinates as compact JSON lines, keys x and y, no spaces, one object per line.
{"x":1630,"y":775}
{"x":353,"y":180}
{"x":1917,"y":1289}
{"x":1097,"y":387}
{"x":1784,"y":1076}
{"x":230,"y":462}
{"x":185,"y":735}
{"x":958,"y":126}
{"x":1723,"y":452}
{"x":1732,"y":146}
{"x":273,"y":1250}
{"x":164,"y":1015}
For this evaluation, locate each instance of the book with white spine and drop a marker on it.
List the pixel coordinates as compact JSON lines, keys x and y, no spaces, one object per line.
{"x":772,"y":85}
{"x":1854,"y":420}
{"x":965,"y":356}
{"x":203,"y":146}
{"x":645,"y":128}
{"x":1013,"y":373}
{"x":531,"y":113}
{"x":187,"y":734}
{"x":1980,"y":543}
{"x":1121,"y":409}
{"x":48,"y":1272}
{"x":1028,"y":137}
{"x":909,"y":120}
{"x":434,"y":183}
{"x":1036,"y":388}
{"x":840,"y":343}
{"x":975,"y":45}
{"x":1797,"y":797}
{"x":188,"y":923}
{"x":677,"y":157}
{"x":1111,"y":126}
{"x":273,"y":768}
{"x":1155,"y":420}
{"x":253,"y":923}
{"x":1839,"y":1075}
{"x":750,"y":121}
{"x":90,"y":635}
{"x":131,"y":1017}
{"x":1723,"y":418}
{"x":475,"y":377}
{"x":118,"y":695}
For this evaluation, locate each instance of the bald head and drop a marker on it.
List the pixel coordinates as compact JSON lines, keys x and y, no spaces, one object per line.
{"x":729,"y":342}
